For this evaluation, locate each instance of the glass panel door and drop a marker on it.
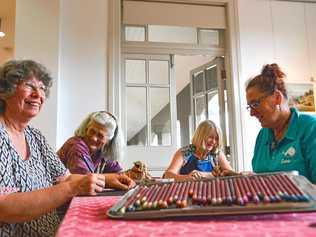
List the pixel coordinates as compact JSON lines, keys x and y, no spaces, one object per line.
{"x":208,"y":96}
{"x":160,"y":117}
{"x":199,"y":109}
{"x":136,"y":130}
{"x":149,"y":110}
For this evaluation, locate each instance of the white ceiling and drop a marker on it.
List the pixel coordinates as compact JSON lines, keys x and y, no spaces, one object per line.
{"x":7,"y":15}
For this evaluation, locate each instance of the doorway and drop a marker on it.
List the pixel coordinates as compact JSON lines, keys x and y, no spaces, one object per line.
{"x":115,"y":104}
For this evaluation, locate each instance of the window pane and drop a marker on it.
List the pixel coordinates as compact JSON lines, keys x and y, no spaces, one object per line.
{"x":200,"y":110}
{"x":209,"y":37}
{"x":136,"y":115}
{"x":158,"y":72}
{"x":211,"y":78}
{"x":172,"y":34}
{"x":160,"y":117}
{"x":198,"y":83}
{"x":134,"y":33}
{"x":213,"y":107}
{"x":135,"y":71}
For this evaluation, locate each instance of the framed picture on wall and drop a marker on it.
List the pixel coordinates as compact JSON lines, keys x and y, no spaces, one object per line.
{"x":301,"y":96}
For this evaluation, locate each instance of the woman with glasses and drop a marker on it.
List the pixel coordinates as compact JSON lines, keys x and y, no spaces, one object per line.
{"x":28,"y":165}
{"x":96,"y":146}
{"x":287,"y":140}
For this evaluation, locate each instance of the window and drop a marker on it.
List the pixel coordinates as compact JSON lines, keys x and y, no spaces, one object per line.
{"x":147,"y":101}
{"x":172,"y":34}
{"x":134,"y":33}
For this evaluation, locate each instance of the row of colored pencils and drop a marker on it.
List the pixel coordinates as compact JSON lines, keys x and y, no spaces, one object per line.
{"x":238,"y":190}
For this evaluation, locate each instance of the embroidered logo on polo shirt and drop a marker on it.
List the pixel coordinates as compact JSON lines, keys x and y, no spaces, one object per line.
{"x":290,"y":152}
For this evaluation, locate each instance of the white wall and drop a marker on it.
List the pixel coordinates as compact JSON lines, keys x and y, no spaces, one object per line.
{"x":310,"y":13}
{"x":70,"y":38}
{"x":310,"y":17}
{"x":83,"y":41}
{"x":290,"y":41}
{"x":36,"y":37}
{"x":256,"y":49}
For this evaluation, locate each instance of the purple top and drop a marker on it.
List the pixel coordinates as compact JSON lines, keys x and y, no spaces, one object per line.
{"x":76,"y":157}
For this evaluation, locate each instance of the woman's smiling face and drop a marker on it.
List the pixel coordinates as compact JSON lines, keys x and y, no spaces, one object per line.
{"x":28,"y":98}
{"x":211,"y":140}
{"x":96,"y":136}
{"x":262,"y":106}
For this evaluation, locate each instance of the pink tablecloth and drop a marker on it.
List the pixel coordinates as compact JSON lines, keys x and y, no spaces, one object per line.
{"x":86,"y":217}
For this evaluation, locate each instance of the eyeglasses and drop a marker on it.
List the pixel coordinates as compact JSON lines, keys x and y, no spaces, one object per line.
{"x":255,"y":104}
{"x":29,"y":86}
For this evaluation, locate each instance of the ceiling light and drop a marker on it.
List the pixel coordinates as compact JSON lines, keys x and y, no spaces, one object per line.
{"x":2,"y":34}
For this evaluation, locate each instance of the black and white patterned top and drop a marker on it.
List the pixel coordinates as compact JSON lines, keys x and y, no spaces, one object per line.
{"x":40,"y":170}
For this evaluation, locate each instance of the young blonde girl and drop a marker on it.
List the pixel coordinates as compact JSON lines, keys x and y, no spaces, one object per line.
{"x":201,"y":159}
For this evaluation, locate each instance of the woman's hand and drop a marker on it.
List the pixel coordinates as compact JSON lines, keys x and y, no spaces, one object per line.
{"x":118,"y":181}
{"x":88,"y":184}
{"x":229,"y":173}
{"x":216,"y":171}
{"x":245,"y":173}
{"x":195,"y":174}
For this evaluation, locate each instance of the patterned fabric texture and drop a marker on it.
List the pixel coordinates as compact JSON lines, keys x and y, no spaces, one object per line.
{"x":87,"y":217}
{"x":191,"y":162}
{"x":76,"y":157}
{"x":39,"y":171}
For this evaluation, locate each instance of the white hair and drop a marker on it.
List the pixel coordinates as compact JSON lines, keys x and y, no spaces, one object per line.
{"x":113,"y":149}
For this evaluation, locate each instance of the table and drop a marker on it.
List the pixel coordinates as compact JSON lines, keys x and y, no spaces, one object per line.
{"x":86,"y":217}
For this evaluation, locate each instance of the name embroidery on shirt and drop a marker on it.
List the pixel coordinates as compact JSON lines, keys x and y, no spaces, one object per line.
{"x":287,"y":161}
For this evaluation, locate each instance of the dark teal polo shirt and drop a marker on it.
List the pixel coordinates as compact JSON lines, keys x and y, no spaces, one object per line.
{"x":296,"y":151}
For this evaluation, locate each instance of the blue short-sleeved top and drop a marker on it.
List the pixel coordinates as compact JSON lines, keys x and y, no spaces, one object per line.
{"x":39,"y":171}
{"x":296,"y":151}
{"x":191,"y":162}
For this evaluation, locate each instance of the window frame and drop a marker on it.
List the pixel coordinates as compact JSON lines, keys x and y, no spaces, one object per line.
{"x":147,"y":85}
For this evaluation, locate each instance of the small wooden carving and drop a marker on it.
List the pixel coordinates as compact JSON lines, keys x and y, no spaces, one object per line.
{"x":138,"y":172}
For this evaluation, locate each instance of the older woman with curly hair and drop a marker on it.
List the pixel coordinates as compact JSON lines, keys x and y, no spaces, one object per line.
{"x":29,"y":166}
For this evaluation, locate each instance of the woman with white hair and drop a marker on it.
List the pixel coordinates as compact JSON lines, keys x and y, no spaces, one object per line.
{"x":96,"y":146}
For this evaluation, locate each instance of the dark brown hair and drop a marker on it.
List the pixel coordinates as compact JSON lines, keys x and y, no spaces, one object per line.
{"x":270,"y":79}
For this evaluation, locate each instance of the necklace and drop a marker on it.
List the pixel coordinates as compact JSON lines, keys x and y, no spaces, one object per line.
{"x":279,"y":133}
{"x":201,"y":154}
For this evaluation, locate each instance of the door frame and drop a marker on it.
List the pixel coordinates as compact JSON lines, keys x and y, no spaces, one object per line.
{"x":232,"y":64}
